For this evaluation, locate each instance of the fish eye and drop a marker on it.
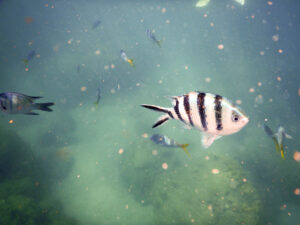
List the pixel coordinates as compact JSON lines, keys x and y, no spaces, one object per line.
{"x":235,"y":117}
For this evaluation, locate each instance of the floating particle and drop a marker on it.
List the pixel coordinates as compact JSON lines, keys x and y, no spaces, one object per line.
{"x":207,"y":157}
{"x":83,"y":88}
{"x":266,"y":119}
{"x":259,"y":99}
{"x":251,"y":90}
{"x":220,"y":46}
{"x":160,"y":81}
{"x":138,"y":84}
{"x":126,"y":206}
{"x":299,"y":92}
{"x":30,"y":43}
{"x":212,"y":24}
{"x":154,"y":152}
{"x":280,"y":51}
{"x":28,"y":19}
{"x":252,"y":16}
{"x":271,"y":100}
{"x":157,"y":65}
{"x":164,"y":166}
{"x":289,"y":213}
{"x":78,"y":41}
{"x":297,"y":191}
{"x":215,"y":171}
{"x":106,"y":67}
{"x":278,"y":78}
{"x":192,"y":220}
{"x":142,"y":20}
{"x":97,"y":52}
{"x":259,"y":84}
{"x":119,"y":87}
{"x":38,"y":56}
{"x":238,"y":101}
{"x":275,"y":37}
{"x":186,"y":67}
{"x":277,"y":28}
{"x":167,"y":21}
{"x":112,"y":91}
{"x":112,"y":66}
{"x":163,"y":10}
{"x":78,"y":176}
{"x":121,"y":151}
{"x":262,"y":53}
{"x":205,"y":15}
{"x":70,"y":41}
{"x":46,"y":5}
{"x":11,"y":121}
{"x":207,"y":79}
{"x":142,"y":201}
{"x":244,"y":180}
{"x":296,"y":156}
{"x":270,"y":3}
{"x":26,"y":69}
{"x":209,"y":207}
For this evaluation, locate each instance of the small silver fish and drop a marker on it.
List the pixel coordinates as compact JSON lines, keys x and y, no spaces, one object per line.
{"x":212,"y":114}
{"x":278,"y":138}
{"x":16,"y":103}
{"x":152,"y":37}
{"x":167,"y":142}
{"x":125,"y":58}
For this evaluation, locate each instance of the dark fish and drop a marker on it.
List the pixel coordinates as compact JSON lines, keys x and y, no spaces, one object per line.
{"x":78,"y":68}
{"x":16,"y":103}
{"x":213,"y":114}
{"x":151,"y":36}
{"x":96,"y":24}
{"x":167,"y":142}
{"x":30,"y":56}
{"x":98,"y":94}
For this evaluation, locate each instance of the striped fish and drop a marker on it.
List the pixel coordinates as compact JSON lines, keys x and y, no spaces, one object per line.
{"x":212,"y":114}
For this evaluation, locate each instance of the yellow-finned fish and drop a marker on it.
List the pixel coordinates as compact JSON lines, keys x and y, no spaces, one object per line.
{"x":125,"y":58}
{"x":212,"y":114}
{"x":278,"y":138}
{"x":167,"y":142}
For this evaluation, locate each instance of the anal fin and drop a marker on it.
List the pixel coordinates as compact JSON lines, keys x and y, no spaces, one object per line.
{"x":161,"y":120}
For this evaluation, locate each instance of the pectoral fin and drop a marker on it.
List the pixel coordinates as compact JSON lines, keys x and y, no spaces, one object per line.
{"x":208,"y":139}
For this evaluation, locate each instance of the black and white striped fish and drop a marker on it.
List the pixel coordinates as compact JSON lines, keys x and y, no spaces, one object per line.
{"x":214,"y":115}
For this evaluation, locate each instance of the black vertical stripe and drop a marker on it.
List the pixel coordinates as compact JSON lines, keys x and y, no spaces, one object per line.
{"x":218,"y":112}
{"x":176,"y":108}
{"x":186,"y":103}
{"x":201,"y":109}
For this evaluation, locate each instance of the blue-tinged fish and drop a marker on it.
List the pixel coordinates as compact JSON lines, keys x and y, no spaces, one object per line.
{"x":212,"y":114}
{"x":278,"y":138}
{"x":30,"y":56}
{"x":151,"y":36}
{"x":16,"y":103}
{"x":98,"y":94}
{"x":96,"y":24}
{"x":167,"y":142}
{"x":125,"y":58}
{"x":78,"y":68}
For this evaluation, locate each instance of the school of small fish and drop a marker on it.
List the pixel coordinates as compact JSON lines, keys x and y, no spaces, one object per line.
{"x":213,"y":115}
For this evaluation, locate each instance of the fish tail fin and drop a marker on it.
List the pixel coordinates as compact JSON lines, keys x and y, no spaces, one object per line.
{"x":44,"y":106}
{"x":164,"y":118}
{"x":282,"y":152}
{"x":130,"y":61}
{"x":276,"y":144}
{"x":268,"y":130}
{"x":184,"y":148}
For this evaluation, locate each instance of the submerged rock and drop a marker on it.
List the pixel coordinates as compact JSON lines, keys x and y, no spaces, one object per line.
{"x":205,"y":191}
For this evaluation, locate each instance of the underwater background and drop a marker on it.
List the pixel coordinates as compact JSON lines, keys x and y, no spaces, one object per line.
{"x":89,"y":165}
